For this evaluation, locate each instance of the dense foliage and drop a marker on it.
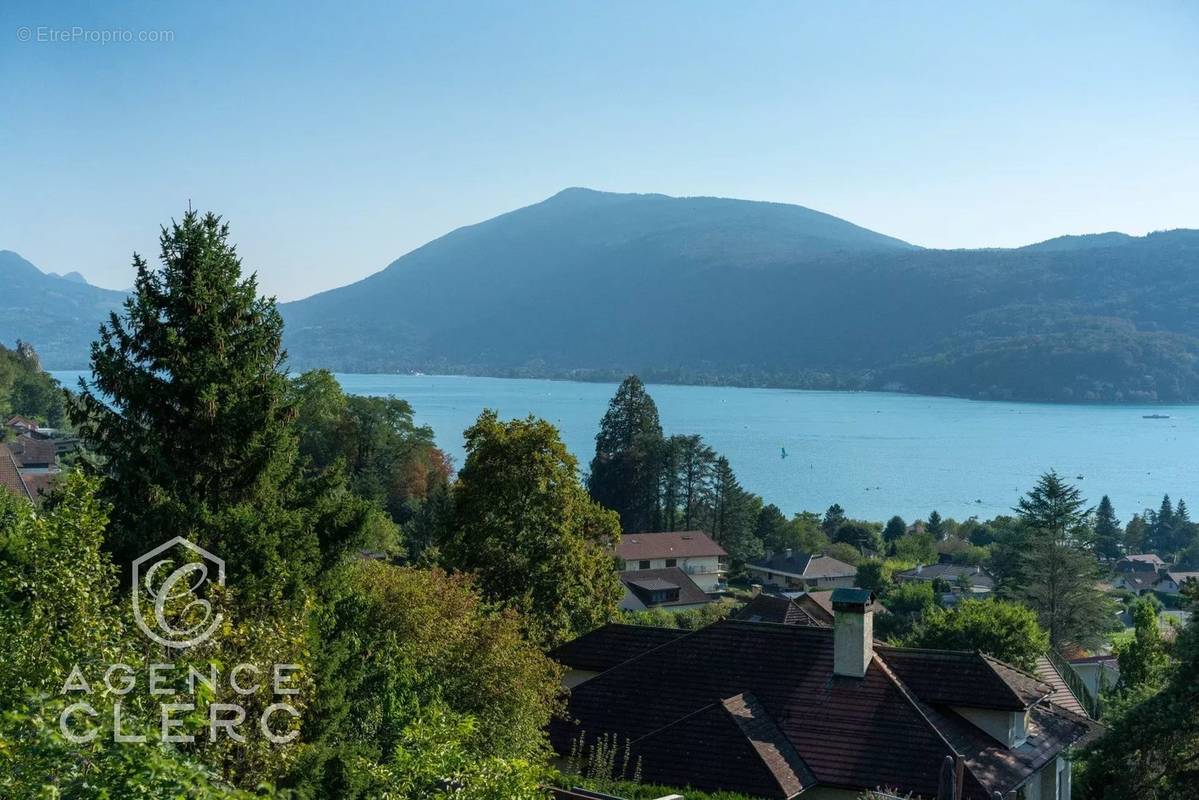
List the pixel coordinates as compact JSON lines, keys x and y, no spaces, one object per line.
{"x":1008,"y":631}
{"x":26,"y":390}
{"x":524,"y":524}
{"x":1150,"y":750}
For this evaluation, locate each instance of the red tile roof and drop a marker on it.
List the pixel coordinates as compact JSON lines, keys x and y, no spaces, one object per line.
{"x":10,"y":476}
{"x":782,"y":610}
{"x":30,"y":452}
{"x":850,"y":733}
{"x":643,"y":582}
{"x":756,"y":758}
{"x":805,"y":566}
{"x":679,"y":544}
{"x":612,"y":644}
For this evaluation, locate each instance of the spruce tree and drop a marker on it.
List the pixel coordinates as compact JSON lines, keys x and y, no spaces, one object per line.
{"x":1057,"y":577}
{"x":935,"y":526}
{"x":833,"y":517}
{"x":896,"y":528}
{"x":1108,"y":534}
{"x":624,"y":471}
{"x":1161,"y":526}
{"x":189,"y":418}
{"x":734,"y":514}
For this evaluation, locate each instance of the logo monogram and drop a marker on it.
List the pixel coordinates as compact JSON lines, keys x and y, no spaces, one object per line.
{"x":159,"y":582}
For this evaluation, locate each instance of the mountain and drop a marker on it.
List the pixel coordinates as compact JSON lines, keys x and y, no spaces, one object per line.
{"x":593,"y":285}
{"x":58,"y":314}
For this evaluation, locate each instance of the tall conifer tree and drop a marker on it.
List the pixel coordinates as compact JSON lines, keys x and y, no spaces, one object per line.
{"x":187,"y":414}
{"x":624,"y":473}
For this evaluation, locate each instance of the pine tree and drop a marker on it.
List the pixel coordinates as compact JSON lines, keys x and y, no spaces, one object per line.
{"x":1161,"y":526}
{"x":624,"y":471}
{"x":1183,"y":532}
{"x":734,"y":515}
{"x":896,"y":528}
{"x":1057,"y":576}
{"x":189,"y":418}
{"x":832,"y":520}
{"x":771,"y":529}
{"x":1108,"y":534}
{"x":935,"y":526}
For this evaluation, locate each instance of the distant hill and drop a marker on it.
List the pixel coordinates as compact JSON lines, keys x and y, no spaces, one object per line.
{"x":58,"y":314}
{"x":592,"y":285}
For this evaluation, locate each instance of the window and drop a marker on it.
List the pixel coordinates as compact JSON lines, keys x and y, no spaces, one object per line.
{"x":671,"y":562}
{"x":642,"y":565}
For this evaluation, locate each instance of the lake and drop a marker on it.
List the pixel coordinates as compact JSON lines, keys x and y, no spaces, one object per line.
{"x":876,"y":454}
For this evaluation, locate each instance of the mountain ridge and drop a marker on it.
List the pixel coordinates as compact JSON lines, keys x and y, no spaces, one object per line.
{"x":591,"y":285}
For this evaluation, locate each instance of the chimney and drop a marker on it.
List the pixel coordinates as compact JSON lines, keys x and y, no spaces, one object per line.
{"x":919,"y":568}
{"x":853,"y":632}
{"x":755,"y":589}
{"x":787,"y":553}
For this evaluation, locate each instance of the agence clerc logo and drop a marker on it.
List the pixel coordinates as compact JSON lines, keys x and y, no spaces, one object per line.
{"x":169,"y":602}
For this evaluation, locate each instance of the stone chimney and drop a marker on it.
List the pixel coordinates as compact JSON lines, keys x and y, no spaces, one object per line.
{"x":853,"y":632}
{"x":919,"y":568}
{"x":787,"y":553}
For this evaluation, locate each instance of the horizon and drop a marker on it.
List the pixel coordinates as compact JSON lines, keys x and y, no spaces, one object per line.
{"x":151,"y":256}
{"x":334,"y":146}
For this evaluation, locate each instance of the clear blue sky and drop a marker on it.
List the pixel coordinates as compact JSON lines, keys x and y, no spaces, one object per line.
{"x":337,"y":138}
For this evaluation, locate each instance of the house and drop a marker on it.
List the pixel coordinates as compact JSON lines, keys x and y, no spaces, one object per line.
{"x":981,"y":582}
{"x":10,"y":475}
{"x":791,"y":570}
{"x":1136,"y":582}
{"x":31,"y":453}
{"x":21,"y":424}
{"x":1139,"y":562}
{"x":1166,"y":579}
{"x":693,"y":552}
{"x":669,"y":588}
{"x":1171,"y":581}
{"x":795,"y":608}
{"x":779,"y":711}
{"x":783,"y":610}
{"x":28,"y":466}
{"x":1097,"y":672}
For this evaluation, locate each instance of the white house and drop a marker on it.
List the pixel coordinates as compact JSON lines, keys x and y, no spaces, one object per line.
{"x":694,"y":552}
{"x":810,"y":572}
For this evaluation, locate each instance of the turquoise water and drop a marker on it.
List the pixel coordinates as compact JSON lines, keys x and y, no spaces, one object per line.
{"x":876,"y":454}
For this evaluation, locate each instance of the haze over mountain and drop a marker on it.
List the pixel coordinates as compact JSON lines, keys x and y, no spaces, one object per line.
{"x":59,"y":315}
{"x":591,"y":284}
{"x":594,"y":285}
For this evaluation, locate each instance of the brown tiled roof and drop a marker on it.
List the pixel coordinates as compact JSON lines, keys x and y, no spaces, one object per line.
{"x":782,"y":610}
{"x":679,"y":544}
{"x":28,"y":451}
{"x":805,"y":565}
{"x":822,"y":599}
{"x":1062,"y":694}
{"x":959,"y":678}
{"x":39,"y":483}
{"x":849,"y":733}
{"x":642,"y":583}
{"x":10,"y":476}
{"x":989,"y":763}
{"x":756,"y":758}
{"x":948,"y":572}
{"x":612,"y":644}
